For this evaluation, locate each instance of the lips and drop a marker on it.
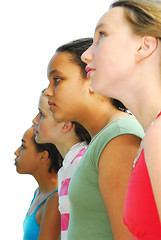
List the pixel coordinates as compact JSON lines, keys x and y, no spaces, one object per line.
{"x":51,"y":104}
{"x":89,"y":71}
{"x":15,"y":163}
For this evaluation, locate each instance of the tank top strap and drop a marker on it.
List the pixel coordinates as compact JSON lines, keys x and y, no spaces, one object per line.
{"x":45,"y":200}
{"x":35,"y":195}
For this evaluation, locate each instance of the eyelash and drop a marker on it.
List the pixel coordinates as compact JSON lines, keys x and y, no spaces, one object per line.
{"x":56,"y":80}
{"x":22,"y":146}
{"x":41,"y":114}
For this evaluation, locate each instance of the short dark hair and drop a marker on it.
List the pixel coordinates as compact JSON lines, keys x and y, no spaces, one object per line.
{"x":55,"y":157}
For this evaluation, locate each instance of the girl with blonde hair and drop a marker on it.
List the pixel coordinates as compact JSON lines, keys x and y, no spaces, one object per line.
{"x":124,"y":62}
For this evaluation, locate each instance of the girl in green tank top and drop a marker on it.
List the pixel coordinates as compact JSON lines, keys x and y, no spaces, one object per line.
{"x":97,"y":189}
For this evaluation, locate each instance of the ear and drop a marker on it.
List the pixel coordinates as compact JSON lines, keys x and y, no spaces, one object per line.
{"x":90,"y":90}
{"x":44,"y":155}
{"x":67,"y":127}
{"x":147,"y":46}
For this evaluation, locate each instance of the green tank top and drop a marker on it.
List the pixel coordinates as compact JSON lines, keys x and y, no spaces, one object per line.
{"x":88,"y":215}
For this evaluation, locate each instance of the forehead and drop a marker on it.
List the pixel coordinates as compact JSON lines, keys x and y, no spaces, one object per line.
{"x":112,"y":18}
{"x":28,"y":134}
{"x":43,"y":104}
{"x":43,"y":101}
{"x":58,"y":61}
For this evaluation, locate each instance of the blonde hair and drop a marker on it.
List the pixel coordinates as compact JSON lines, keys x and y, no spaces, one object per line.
{"x":144,"y":16}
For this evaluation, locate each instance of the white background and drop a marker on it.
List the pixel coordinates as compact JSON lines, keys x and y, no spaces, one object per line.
{"x":30,"y":32}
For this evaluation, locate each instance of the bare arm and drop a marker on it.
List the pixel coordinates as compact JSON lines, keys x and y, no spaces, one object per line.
{"x":50,"y":226}
{"x":115,"y":166}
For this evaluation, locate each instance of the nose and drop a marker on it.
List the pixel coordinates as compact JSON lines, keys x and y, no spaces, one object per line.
{"x":17,"y":152}
{"x":49,"y":92}
{"x":36,"y":119}
{"x":87,"y":56}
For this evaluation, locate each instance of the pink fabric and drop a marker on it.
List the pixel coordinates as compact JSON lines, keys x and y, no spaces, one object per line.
{"x":65,"y":174}
{"x":64,"y":187}
{"x":80,"y":154}
{"x":64,"y":221}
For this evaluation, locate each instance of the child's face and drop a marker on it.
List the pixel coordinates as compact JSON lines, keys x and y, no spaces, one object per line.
{"x":47,"y":130}
{"x":27,"y":158}
{"x":67,"y":89}
{"x":111,"y":58}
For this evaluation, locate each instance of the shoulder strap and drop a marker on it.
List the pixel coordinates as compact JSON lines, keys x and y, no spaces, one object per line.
{"x":45,"y":200}
{"x":34,"y":196}
{"x":32,"y":200}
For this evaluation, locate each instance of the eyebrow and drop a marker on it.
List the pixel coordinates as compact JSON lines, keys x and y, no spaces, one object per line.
{"x":100,"y":26}
{"x":54,"y":72}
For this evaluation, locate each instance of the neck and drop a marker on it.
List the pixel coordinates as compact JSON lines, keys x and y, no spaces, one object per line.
{"x":145,"y":100}
{"x":48,"y":182}
{"x":97,"y":117}
{"x":65,"y":145}
{"x":145,"y":111}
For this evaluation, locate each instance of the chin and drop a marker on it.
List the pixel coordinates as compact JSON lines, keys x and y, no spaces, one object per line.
{"x":41,"y":141}
{"x":38,"y":139}
{"x":19,"y":171}
{"x":58,"y":117}
{"x":98,"y":89}
{"x":95,"y":87}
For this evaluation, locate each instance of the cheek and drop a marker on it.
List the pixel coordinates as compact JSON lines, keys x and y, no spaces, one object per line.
{"x":43,"y":129}
{"x":20,"y":166}
{"x":46,"y":131}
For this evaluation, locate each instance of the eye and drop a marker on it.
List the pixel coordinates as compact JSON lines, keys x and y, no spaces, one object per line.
{"x":22,"y":146}
{"x":56,"y":80}
{"x":101,"y":35}
{"x":41,"y":114}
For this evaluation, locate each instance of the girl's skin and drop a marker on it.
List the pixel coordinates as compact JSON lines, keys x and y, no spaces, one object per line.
{"x":126,"y":66}
{"x":61,"y":134}
{"x":71,"y":98}
{"x":29,"y":161}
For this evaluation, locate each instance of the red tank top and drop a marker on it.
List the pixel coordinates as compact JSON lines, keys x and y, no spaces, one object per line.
{"x":140,"y":211}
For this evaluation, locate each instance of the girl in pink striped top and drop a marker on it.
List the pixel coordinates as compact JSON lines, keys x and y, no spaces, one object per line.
{"x":71,"y":139}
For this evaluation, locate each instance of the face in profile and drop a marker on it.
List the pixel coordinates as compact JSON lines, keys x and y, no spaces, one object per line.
{"x":67,"y":90}
{"x":47,"y":130}
{"x":27,"y":158}
{"x":111,"y":59}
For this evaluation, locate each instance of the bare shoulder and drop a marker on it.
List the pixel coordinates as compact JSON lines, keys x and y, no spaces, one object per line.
{"x":52,"y":201}
{"x":119,"y":152}
{"x":50,"y":221}
{"x":115,"y":165}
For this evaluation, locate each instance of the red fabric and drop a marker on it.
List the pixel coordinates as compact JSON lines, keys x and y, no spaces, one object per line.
{"x":140,"y":212}
{"x":159,"y":114}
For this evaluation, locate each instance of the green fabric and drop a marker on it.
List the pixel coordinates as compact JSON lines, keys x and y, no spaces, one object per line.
{"x":88,"y":216}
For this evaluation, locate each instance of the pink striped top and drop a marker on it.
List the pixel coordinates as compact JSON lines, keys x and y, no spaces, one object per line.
{"x":65,"y":174}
